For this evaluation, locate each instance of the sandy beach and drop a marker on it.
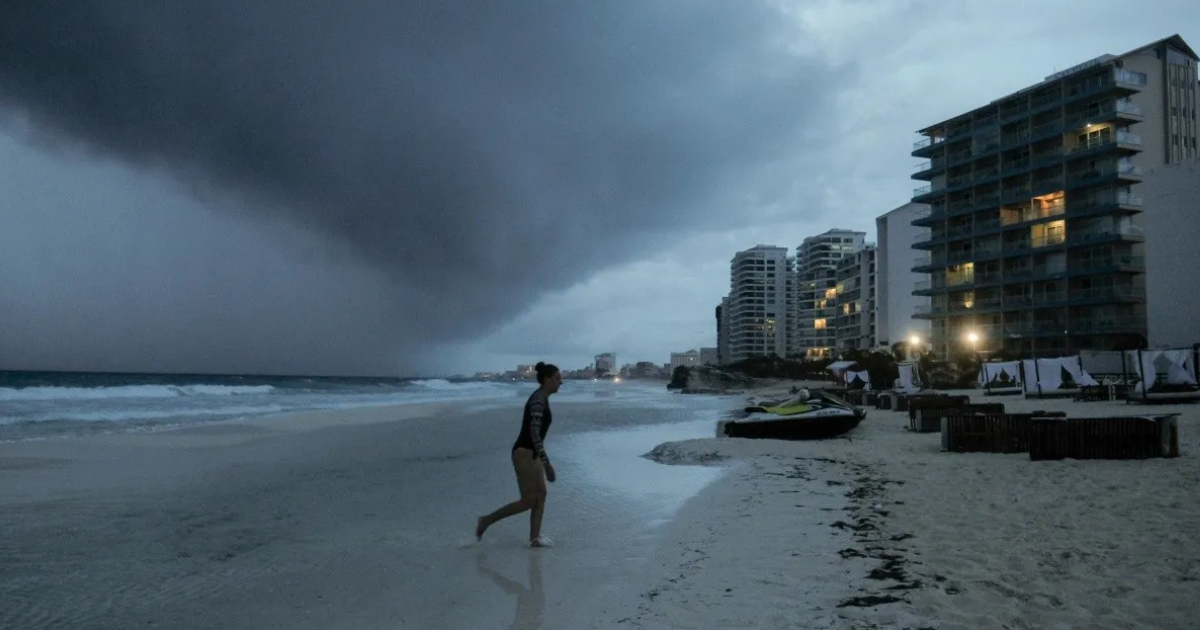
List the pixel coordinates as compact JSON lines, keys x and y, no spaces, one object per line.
{"x":935,"y":540}
{"x":361,"y":519}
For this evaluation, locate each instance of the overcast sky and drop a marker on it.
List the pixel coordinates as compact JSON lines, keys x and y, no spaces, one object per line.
{"x":383,"y":187}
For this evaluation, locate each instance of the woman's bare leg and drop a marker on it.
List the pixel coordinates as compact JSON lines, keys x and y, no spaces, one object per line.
{"x":539,"y":504}
{"x":528,"y":469}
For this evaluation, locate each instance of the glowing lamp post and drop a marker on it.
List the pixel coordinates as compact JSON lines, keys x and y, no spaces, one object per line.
{"x":914,"y":345}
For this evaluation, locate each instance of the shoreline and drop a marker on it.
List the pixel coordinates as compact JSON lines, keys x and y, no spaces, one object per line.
{"x":876,"y":529}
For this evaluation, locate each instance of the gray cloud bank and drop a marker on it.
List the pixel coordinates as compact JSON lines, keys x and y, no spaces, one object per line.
{"x":468,"y":155}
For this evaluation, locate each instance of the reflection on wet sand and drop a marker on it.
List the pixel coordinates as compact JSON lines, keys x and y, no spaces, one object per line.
{"x":531,"y":600}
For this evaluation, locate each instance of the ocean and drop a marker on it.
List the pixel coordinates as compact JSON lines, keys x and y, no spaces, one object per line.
{"x":38,"y":405}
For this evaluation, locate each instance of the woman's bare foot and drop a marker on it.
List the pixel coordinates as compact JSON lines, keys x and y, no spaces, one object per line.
{"x":480,"y":527}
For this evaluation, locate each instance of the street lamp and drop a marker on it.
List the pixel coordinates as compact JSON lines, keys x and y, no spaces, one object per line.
{"x":914,"y":343}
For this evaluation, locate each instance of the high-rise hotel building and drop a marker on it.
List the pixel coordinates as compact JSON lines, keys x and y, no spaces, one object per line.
{"x":1031,"y":230}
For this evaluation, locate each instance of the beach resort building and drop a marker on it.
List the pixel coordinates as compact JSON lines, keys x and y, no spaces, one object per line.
{"x":896,"y":301}
{"x":814,"y":295}
{"x":1031,"y":229}
{"x":1171,"y":194}
{"x":758,"y":304}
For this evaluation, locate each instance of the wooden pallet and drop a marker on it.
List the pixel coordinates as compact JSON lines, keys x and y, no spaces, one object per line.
{"x":919,"y":402}
{"x":990,"y":433}
{"x":1130,"y":437}
{"x":929,"y":419}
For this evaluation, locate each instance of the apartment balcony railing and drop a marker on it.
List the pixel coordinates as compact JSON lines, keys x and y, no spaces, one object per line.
{"x":1045,"y":100}
{"x":958,"y":279}
{"x":1098,"y":113}
{"x":923,"y":190}
{"x":1129,"y":77}
{"x":1033,"y":328}
{"x":1129,"y":169}
{"x":1129,"y":199}
{"x":1087,"y":236}
{"x":1013,"y":112}
{"x":922,"y":285}
{"x":1097,"y":201}
{"x":1045,"y":130}
{"x":1096,"y":325}
{"x":1125,"y":107}
{"x":1093,"y":264}
{"x":1015,"y":139}
{"x":1126,"y":138}
{"x":928,"y":142}
{"x":958,"y":157}
{"x":1048,"y":297}
{"x":1117,"y":292}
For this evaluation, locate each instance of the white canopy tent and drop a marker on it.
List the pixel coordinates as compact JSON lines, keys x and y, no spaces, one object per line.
{"x":858,"y":377}
{"x":1000,"y":375}
{"x":1177,"y":364}
{"x":1045,"y":376}
{"x":839,"y":369}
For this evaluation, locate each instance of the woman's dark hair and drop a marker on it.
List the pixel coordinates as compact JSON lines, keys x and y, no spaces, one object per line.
{"x":545,"y":371}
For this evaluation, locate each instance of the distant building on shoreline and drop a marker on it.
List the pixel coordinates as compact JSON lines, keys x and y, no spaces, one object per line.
{"x":606,"y":363}
{"x":758,"y":302}
{"x":897,"y":300}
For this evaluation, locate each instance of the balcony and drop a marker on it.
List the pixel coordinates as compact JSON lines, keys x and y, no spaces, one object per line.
{"x":1128,"y":78}
{"x":1044,"y":101}
{"x":1118,"y":109}
{"x":1129,"y":109}
{"x":1089,"y":177}
{"x":1014,"y":110}
{"x":1045,"y":130}
{"x":1111,"y":325}
{"x":1113,"y":293}
{"x":1094,"y":265}
{"x":1128,"y":233}
{"x":1104,"y":204}
{"x":923,"y":145}
{"x":1117,"y":78}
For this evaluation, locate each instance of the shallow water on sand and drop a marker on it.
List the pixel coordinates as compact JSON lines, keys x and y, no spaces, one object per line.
{"x":355,"y":526}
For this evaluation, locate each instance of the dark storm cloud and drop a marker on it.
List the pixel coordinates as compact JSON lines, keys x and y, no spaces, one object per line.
{"x":476,"y":153}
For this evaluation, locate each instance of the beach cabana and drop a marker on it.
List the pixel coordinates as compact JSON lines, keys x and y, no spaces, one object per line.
{"x":1051,"y":377}
{"x":858,"y":379}
{"x":1162,"y":375}
{"x":1000,"y":377}
{"x":839,"y":369}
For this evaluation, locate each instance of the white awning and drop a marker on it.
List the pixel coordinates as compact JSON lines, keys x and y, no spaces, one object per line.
{"x":837,"y":366}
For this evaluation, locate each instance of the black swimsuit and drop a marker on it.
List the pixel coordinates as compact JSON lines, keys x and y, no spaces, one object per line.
{"x":534,"y":425}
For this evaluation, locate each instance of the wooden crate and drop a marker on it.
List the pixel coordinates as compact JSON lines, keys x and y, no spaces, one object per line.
{"x":919,"y":402}
{"x":929,"y":419}
{"x":1129,"y":437}
{"x":986,"y":433}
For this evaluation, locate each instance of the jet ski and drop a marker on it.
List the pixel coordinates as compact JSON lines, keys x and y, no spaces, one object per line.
{"x":806,"y":416}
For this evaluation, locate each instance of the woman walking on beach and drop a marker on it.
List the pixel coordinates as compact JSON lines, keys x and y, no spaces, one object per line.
{"x":530,"y":461}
